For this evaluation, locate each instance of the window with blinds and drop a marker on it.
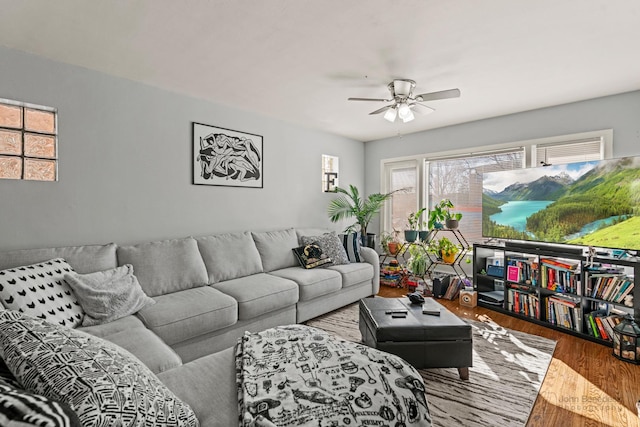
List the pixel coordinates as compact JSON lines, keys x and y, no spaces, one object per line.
{"x":459,"y":179}
{"x":427,"y":179}
{"x":569,"y":152}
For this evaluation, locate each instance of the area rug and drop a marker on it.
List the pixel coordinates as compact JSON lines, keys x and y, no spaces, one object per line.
{"x":508,"y":370}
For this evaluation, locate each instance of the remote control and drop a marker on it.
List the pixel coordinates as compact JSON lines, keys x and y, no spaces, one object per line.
{"x":395,"y":311}
{"x":431,"y":312}
{"x":399,"y":315}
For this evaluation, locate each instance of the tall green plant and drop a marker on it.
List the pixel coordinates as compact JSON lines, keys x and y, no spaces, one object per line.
{"x":351,"y":205}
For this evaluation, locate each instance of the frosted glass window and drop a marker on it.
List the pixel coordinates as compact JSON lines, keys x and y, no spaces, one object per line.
{"x":10,"y":142}
{"x":28,"y":141}
{"x":39,"y":121}
{"x":40,"y":170}
{"x":10,"y":116}
{"x":39,"y":145}
{"x":10,"y":167}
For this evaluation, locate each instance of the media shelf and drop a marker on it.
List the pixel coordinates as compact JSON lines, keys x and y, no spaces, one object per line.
{"x":557,"y":288}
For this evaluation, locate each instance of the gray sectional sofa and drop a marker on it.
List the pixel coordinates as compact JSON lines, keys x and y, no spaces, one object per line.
{"x":208,"y":290}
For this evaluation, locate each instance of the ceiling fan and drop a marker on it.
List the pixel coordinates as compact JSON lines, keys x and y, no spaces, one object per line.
{"x":404,"y":102}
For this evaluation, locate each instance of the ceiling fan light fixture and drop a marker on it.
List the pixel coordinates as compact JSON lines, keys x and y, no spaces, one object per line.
{"x":409,"y":117}
{"x":405,"y":113}
{"x":391,"y":114}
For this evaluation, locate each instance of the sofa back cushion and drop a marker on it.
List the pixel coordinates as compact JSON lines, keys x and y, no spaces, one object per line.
{"x":165,"y":266}
{"x":229,"y":256}
{"x":83,"y":259}
{"x":310,"y":231}
{"x":275,"y":248}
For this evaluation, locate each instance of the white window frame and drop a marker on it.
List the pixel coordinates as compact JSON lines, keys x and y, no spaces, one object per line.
{"x":385,"y":222}
{"x":530,"y":160}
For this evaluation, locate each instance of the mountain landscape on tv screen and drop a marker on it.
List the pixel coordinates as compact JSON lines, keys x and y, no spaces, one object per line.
{"x":589,"y":203}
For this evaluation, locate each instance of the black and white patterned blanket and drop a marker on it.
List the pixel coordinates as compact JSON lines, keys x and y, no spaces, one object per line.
{"x":298,"y":375}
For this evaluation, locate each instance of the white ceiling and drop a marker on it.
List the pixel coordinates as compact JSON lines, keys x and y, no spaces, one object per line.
{"x":299,"y":60}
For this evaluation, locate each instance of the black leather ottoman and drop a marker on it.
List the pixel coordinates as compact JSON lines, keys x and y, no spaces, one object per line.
{"x":423,"y":340}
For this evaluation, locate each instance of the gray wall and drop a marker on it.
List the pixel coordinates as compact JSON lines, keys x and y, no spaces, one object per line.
{"x":618,"y":112}
{"x":125,"y":164}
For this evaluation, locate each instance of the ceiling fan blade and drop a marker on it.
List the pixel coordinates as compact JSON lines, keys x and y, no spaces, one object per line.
{"x":369,"y":99}
{"x":443,"y":94}
{"x":421,"y":108}
{"x":381,"y":110}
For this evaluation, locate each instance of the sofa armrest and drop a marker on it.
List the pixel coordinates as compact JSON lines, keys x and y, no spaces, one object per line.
{"x":370,"y":256}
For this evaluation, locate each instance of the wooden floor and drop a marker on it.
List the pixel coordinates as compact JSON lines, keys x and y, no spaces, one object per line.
{"x":584,"y":386}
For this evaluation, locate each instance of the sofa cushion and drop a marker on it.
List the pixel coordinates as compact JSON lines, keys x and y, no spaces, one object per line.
{"x":213,"y":397}
{"x":259,"y":294}
{"x":354,"y":273}
{"x":130,"y":333}
{"x":182,"y":315}
{"x":229,"y":256}
{"x":165,"y":266}
{"x":331,"y":245}
{"x":39,"y":290}
{"x":312,"y":283}
{"x":83,"y":259}
{"x":102,"y":383}
{"x":108,"y":295}
{"x":275,"y":248}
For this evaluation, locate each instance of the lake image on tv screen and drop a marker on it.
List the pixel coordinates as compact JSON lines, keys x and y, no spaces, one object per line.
{"x":587,"y":203}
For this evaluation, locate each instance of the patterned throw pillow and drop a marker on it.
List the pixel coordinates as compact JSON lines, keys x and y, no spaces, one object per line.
{"x":21,"y":408}
{"x":330,"y":244}
{"x":352,"y":243}
{"x":108,"y":295}
{"x":39,"y":290}
{"x":311,"y":256}
{"x":102,"y":383}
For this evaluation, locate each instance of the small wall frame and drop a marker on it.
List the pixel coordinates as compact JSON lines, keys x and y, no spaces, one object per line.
{"x":330,"y":170}
{"x":226,"y":157}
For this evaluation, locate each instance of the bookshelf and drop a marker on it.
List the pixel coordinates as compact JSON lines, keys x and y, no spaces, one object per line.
{"x":557,"y":287}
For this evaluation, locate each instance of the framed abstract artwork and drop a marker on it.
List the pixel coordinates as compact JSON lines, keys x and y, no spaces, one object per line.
{"x":226,"y":157}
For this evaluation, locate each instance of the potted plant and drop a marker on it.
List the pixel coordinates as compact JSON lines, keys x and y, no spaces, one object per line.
{"x":389,"y":242}
{"x":445,"y":249}
{"x":442,"y":213}
{"x":452,"y":219}
{"x":417,"y":263}
{"x":350,"y":204}
{"x":437,"y":215}
{"x":413,"y":219}
{"x":423,"y":232}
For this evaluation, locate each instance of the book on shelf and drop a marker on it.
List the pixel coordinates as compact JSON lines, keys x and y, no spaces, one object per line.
{"x":600,"y":323}
{"x":513,"y":274}
{"x":455,"y":284}
{"x":521,"y":302}
{"x":562,"y":310}
{"x":559,"y":280}
{"x":522,"y":269}
{"x":608,"y":287}
{"x":563,"y":264}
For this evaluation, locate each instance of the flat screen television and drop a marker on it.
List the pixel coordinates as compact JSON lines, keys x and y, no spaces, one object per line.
{"x":594,"y":203}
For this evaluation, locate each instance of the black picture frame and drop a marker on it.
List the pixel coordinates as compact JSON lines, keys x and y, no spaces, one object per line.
{"x":226,"y":157}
